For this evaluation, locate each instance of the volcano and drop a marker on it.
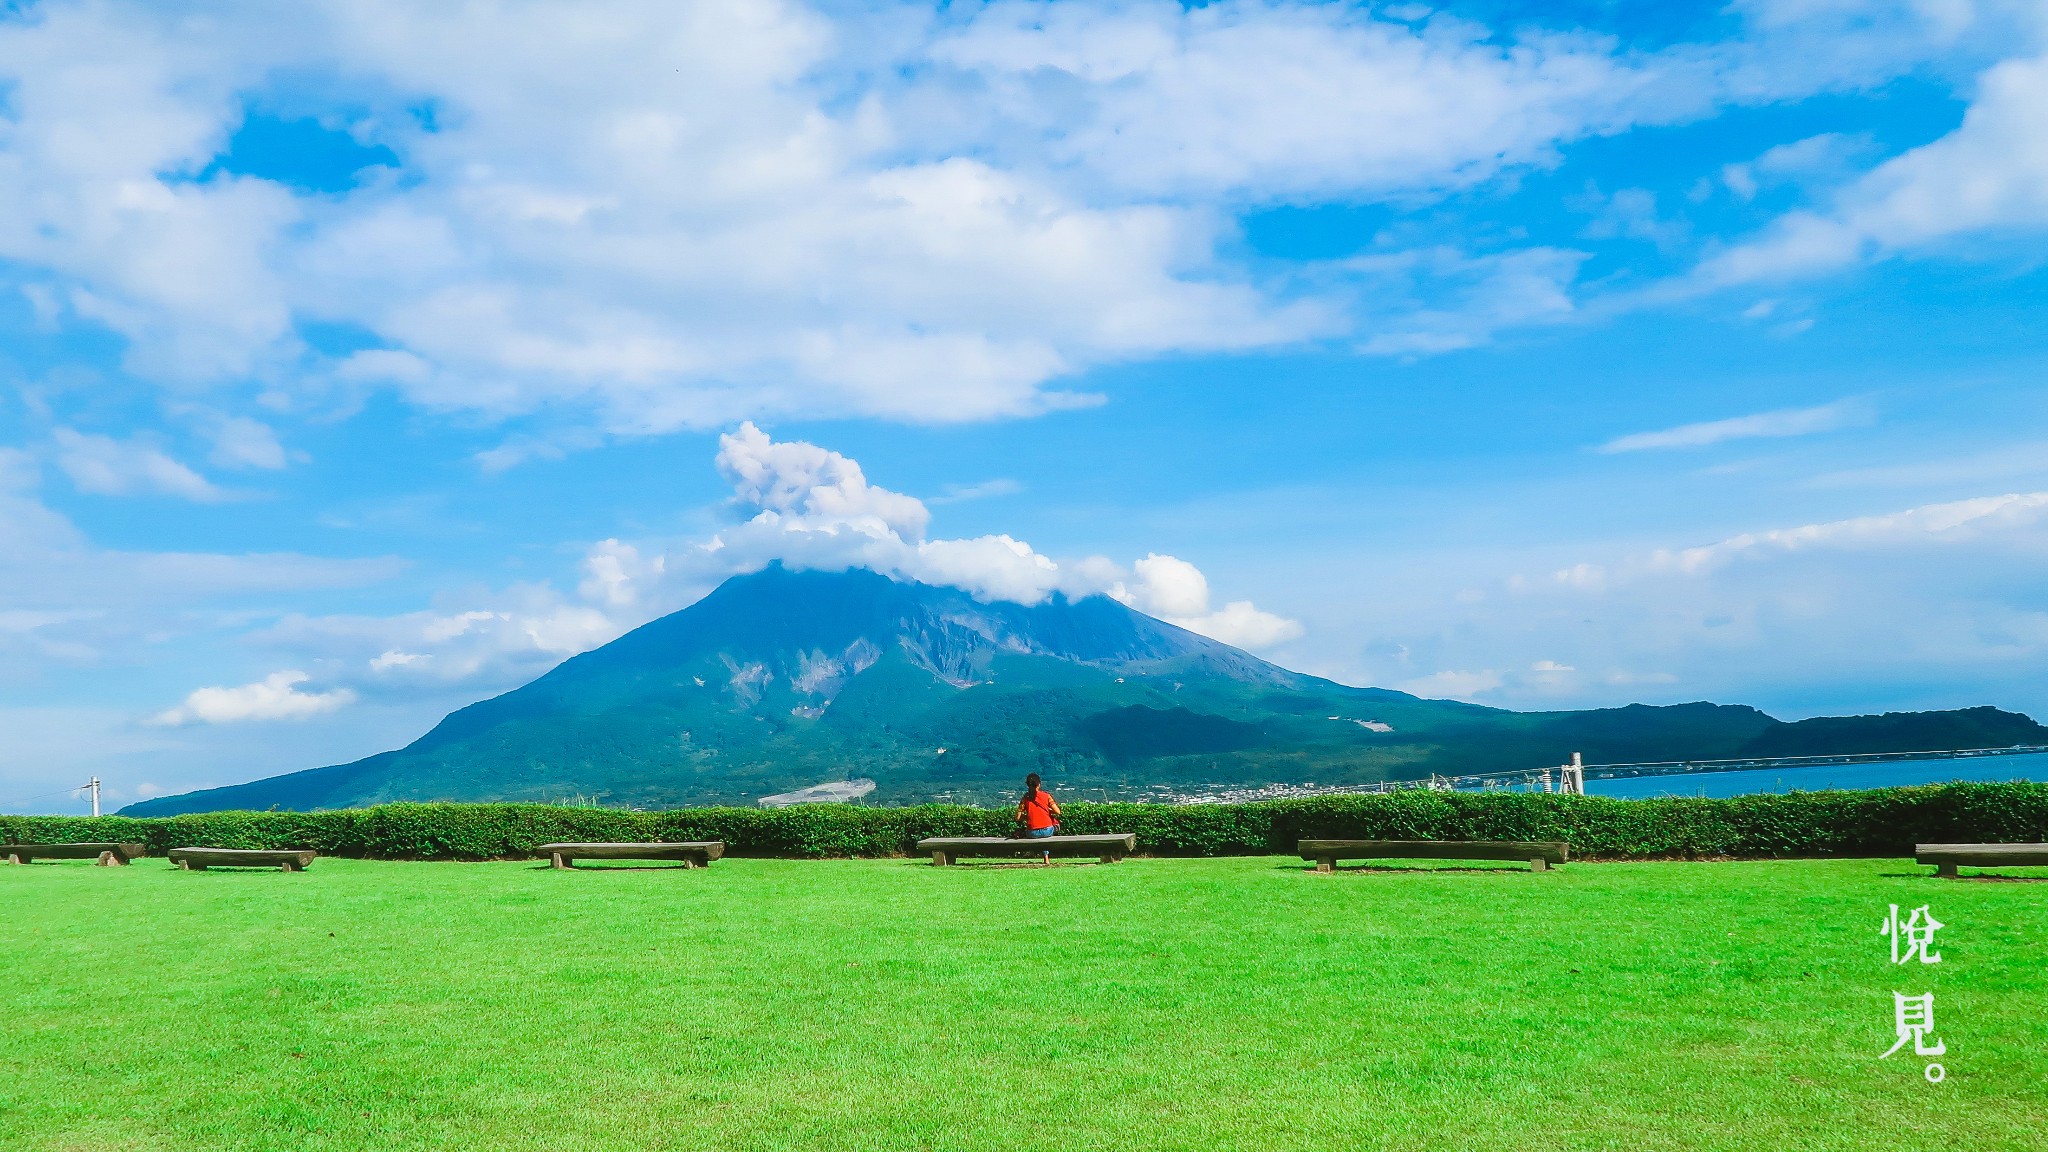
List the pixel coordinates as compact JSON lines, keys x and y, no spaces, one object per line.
{"x":783,"y":679}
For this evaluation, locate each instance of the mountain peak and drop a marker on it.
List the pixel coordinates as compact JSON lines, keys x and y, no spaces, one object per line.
{"x":784,"y":679}
{"x":813,"y":628}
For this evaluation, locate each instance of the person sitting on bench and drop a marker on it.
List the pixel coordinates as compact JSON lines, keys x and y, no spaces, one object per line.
{"x":1038,"y":811}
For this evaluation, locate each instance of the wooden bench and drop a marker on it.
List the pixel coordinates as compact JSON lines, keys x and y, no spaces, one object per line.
{"x":1945,"y":857}
{"x":106,"y":854}
{"x":694,"y":854}
{"x":200,"y":859}
{"x":949,"y":849}
{"x":1540,"y":854}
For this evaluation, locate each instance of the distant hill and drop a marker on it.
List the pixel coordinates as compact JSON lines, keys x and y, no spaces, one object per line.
{"x":783,"y":679}
{"x":1898,"y":732}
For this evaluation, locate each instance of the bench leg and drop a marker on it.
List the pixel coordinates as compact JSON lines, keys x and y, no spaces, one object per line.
{"x":289,"y":866}
{"x":1948,"y":870}
{"x":1538,"y":864}
{"x":557,"y":860}
{"x":1326,"y":863}
{"x":940,"y":860}
{"x":17,"y":858}
{"x":1112,"y":859}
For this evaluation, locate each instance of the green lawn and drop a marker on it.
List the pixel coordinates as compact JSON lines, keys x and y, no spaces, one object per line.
{"x":885,"y":1004}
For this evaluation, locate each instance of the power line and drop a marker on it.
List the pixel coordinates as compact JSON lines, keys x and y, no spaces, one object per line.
{"x":44,"y":796}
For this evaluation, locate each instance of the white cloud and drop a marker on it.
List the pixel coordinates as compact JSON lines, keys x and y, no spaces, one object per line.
{"x":1243,"y":625}
{"x":92,"y":606}
{"x":817,"y":509}
{"x":1990,"y":173}
{"x":239,"y":442}
{"x":519,"y":633}
{"x":1632,"y":213}
{"x":992,"y":567}
{"x":1177,"y":592}
{"x":110,"y":106}
{"x":617,"y":575}
{"x":803,"y":487}
{"x":1278,"y":100}
{"x":1429,"y":300}
{"x":1822,"y":158}
{"x":1455,"y":685}
{"x":1962,"y":522}
{"x":812,"y":508}
{"x":1166,"y":586}
{"x":1932,"y":606}
{"x":1984,"y":465}
{"x":1784,"y":422}
{"x":708,"y":211}
{"x":986,"y":490}
{"x":1931,"y":523}
{"x":105,"y":466}
{"x":275,"y":697}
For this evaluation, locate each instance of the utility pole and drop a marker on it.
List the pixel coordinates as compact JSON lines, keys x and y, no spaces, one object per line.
{"x":94,"y":785}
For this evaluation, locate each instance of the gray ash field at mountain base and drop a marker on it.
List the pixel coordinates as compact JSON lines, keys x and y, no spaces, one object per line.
{"x":783,"y":679}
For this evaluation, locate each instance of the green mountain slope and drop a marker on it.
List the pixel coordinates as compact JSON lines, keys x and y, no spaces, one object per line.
{"x":782,"y":679}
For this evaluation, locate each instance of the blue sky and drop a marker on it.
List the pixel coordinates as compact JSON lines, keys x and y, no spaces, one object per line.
{"x":360,"y":364}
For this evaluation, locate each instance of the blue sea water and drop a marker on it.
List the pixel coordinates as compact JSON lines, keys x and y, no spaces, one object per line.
{"x":1815,"y":779}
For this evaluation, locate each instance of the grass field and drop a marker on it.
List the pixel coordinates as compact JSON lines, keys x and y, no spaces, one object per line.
{"x":883,"y":1004}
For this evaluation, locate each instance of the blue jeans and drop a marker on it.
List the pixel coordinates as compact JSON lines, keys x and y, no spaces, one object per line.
{"x":1048,"y":830}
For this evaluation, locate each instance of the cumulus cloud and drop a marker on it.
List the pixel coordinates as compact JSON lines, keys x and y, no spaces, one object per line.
{"x":817,"y":509}
{"x":275,"y":697}
{"x":804,"y":488}
{"x":707,"y":211}
{"x":687,"y":224}
{"x":1177,"y":592}
{"x":1166,"y":586}
{"x":105,"y":466}
{"x":1784,"y":422}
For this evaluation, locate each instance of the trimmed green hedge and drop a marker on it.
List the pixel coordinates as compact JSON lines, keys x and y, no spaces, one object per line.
{"x":1879,"y":822}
